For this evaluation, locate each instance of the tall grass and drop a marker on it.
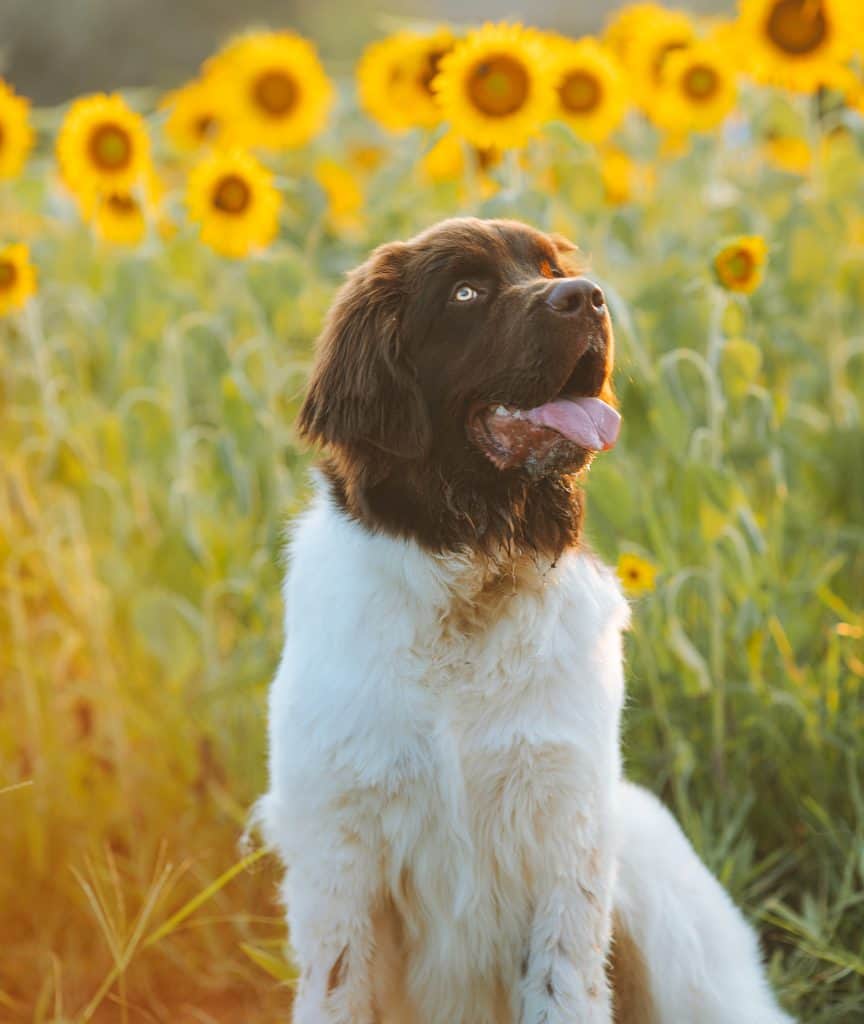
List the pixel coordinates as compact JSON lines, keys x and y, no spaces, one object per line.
{"x":150,"y":466}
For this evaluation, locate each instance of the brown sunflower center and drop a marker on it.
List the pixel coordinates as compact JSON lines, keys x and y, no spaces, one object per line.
{"x":204,"y":126}
{"x":110,"y":147}
{"x":580,"y":92}
{"x":8,"y":275}
{"x":430,"y":68}
{"x":122,"y":205}
{"x":797,"y":27}
{"x":232,"y":194}
{"x":276,"y":93}
{"x":700,"y":82}
{"x":498,"y":86}
{"x":670,"y":46}
{"x":740,"y":265}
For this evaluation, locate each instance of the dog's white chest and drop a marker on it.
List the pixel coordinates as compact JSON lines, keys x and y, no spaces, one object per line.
{"x":521,"y":732}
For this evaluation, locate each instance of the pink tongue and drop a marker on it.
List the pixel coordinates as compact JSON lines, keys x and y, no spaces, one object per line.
{"x":590,"y":422}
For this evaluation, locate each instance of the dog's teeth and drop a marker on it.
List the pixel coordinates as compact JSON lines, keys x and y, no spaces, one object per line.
{"x":518,"y":414}
{"x":501,"y":411}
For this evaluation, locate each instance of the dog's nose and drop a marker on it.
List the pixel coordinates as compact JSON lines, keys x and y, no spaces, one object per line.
{"x":576,"y":295}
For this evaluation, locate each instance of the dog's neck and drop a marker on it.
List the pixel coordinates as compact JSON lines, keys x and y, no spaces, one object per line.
{"x":491,"y":513}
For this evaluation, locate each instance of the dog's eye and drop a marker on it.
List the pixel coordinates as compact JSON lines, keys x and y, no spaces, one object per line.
{"x":547,"y":270}
{"x":464,"y":293}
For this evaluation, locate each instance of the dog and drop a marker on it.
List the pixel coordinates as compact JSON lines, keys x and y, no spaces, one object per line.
{"x":445,"y":782}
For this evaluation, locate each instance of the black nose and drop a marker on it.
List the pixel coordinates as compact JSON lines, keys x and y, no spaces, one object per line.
{"x":576,"y":295}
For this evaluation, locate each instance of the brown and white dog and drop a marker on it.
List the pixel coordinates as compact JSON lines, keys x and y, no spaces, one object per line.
{"x":445,"y":785}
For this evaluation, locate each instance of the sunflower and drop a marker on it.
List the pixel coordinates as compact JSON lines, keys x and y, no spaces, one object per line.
{"x":592,"y":96}
{"x":452,"y":159}
{"x":122,"y":218}
{"x":627,"y":25}
{"x":17,"y":278}
{"x":102,"y":145}
{"x":395,"y":75}
{"x":624,"y":181}
{"x":119,"y":218}
{"x":790,"y":153}
{"x":698,"y":89}
{"x":496,"y":87}
{"x":661,"y":35}
{"x":282,"y":93}
{"x":234,"y":200}
{"x":16,"y":135}
{"x":200,"y":113}
{"x":798,"y":44}
{"x":739,"y":263}
{"x":637,"y":574}
{"x":344,"y":195}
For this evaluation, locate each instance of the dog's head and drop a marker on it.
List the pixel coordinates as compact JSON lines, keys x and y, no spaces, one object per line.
{"x":461,"y":382}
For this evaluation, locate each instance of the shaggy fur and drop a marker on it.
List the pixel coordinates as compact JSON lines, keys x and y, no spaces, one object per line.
{"x":445,"y":785}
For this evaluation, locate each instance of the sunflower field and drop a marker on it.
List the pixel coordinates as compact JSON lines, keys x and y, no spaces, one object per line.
{"x":165,"y":264}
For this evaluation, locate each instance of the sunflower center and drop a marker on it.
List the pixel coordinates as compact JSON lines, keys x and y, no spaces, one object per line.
{"x":232,"y":194}
{"x":8,"y":275}
{"x":276,"y":93}
{"x":580,"y":92}
{"x":740,"y":265}
{"x":110,"y":147}
{"x":798,"y":27}
{"x":430,"y":69}
{"x":498,"y":86}
{"x":122,"y":205}
{"x":204,"y":126}
{"x":660,"y":57}
{"x":700,"y":82}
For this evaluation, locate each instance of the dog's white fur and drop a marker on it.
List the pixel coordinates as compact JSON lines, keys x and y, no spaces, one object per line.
{"x":445,"y":793}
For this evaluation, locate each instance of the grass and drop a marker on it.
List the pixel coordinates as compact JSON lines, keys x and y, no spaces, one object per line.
{"x":150,"y":465}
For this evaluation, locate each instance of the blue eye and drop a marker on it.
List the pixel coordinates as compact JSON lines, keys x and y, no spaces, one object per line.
{"x":465,"y":293}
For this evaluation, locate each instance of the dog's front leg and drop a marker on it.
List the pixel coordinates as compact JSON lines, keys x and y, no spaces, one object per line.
{"x":330,"y":899}
{"x":563,"y":971}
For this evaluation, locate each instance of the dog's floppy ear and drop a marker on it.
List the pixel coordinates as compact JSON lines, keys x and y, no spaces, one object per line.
{"x":363,"y":388}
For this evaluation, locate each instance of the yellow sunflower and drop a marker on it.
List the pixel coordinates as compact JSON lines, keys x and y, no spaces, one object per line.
{"x":17,"y":278}
{"x":102,"y":145}
{"x":395,"y":75}
{"x":452,"y":159}
{"x":698,"y":89}
{"x":282,"y":92}
{"x":234,"y":200}
{"x":626,"y":26}
{"x":637,"y":574}
{"x":119,"y":218}
{"x":200,"y":113}
{"x":16,"y":135}
{"x":592,"y":94}
{"x":661,"y":35}
{"x":798,"y":44}
{"x":344,"y":196}
{"x":739,"y":263}
{"x":788,"y":152}
{"x":497,"y":87}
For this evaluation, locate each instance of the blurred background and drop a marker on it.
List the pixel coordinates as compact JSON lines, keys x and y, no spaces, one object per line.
{"x":54,"y":49}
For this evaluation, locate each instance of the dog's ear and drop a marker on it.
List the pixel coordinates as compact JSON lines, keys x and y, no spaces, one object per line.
{"x":363,"y":388}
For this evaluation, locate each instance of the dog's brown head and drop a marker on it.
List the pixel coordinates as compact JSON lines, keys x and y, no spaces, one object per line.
{"x":461,"y":383}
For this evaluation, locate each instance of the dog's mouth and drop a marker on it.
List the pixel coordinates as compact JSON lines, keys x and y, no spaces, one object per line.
{"x":560,"y":434}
